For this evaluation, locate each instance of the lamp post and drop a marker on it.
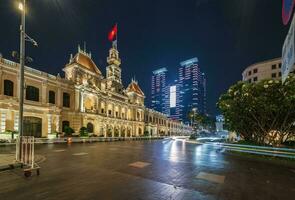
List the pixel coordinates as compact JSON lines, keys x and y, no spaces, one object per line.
{"x":22,"y":7}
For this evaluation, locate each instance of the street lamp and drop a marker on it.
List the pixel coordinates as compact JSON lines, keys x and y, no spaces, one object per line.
{"x":23,"y":38}
{"x":22,"y":7}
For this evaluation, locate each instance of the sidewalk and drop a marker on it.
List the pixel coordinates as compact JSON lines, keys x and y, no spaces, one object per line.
{"x":6,"y":160}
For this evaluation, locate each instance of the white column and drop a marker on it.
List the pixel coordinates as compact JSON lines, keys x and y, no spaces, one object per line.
{"x":16,"y":121}
{"x":57,"y":129}
{"x":3,"y":120}
{"x":81,"y":102}
{"x":59,"y":97}
{"x":49,"y":122}
{"x":44,"y":93}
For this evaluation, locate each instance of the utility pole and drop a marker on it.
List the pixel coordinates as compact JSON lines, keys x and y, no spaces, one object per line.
{"x":21,"y":74}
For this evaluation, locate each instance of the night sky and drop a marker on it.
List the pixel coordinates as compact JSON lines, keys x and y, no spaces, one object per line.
{"x":226,"y":35}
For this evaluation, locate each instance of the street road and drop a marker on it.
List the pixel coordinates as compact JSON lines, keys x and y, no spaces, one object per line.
{"x":162,"y":169}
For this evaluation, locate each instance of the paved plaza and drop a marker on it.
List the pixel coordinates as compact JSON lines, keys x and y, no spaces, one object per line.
{"x":162,"y":169}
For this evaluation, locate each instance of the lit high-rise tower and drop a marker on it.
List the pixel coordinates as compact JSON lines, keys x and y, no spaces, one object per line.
{"x":159,"y":96}
{"x":192,"y":89}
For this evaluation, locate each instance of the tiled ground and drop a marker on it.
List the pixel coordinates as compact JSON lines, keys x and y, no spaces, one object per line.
{"x":146,"y":170}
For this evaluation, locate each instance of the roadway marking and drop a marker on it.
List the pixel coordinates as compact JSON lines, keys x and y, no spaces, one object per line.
{"x":211,"y":177}
{"x":59,"y":150}
{"x":139,"y":164}
{"x":79,"y":154}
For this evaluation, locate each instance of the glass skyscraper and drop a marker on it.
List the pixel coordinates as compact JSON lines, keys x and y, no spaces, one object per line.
{"x":192,"y":89}
{"x":177,"y":98}
{"x":160,"y":93}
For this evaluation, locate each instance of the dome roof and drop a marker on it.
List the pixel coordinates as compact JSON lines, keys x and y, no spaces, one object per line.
{"x":134,"y":87}
{"x":84,"y":60}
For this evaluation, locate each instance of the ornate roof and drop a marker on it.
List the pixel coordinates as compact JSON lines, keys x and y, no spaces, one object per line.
{"x":134,"y":87}
{"x":84,"y":60}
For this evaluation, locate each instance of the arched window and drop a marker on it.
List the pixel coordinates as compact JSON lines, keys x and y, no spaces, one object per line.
{"x":8,"y":88}
{"x":64,"y":125}
{"x":51,"y":97}
{"x":90,"y":127}
{"x":32,"y":93}
{"x":66,"y":100}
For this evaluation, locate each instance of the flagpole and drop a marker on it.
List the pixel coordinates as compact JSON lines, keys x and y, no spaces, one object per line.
{"x":117,"y":36}
{"x":116,"y":41}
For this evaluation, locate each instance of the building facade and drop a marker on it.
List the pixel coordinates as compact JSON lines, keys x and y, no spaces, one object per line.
{"x":192,"y":89}
{"x":158,"y":123}
{"x":83,"y":98}
{"x":159,"y":92}
{"x":269,"y":69}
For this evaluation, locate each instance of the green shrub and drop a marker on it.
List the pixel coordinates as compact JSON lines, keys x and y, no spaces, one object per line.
{"x":146,"y":133}
{"x":68,"y":131}
{"x":83,"y":132}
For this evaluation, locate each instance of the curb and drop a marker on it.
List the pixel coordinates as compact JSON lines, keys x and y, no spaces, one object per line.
{"x":85,"y":140}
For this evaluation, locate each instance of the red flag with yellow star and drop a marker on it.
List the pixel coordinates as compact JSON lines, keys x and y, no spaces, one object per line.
{"x":113,"y":33}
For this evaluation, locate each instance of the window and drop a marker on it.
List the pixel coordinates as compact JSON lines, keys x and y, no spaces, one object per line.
{"x":280,"y":74}
{"x":249,"y":80}
{"x":273,"y":67}
{"x":90,"y":127}
{"x":255,"y":79}
{"x":51,"y":97}
{"x":8,"y":88}
{"x":109,"y":112}
{"x":255,"y":71}
{"x":64,"y":125}
{"x":273,"y":75}
{"x":280,"y":65}
{"x":66,"y":100}
{"x":117,"y":114}
{"x":249,"y":73}
{"x":32,"y":93}
{"x":102,"y":111}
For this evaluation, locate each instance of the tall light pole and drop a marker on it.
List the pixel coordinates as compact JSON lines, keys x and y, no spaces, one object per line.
{"x":22,"y":7}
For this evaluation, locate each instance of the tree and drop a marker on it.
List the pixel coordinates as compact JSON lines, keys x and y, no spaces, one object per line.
{"x":199,"y":120}
{"x":263,"y":113}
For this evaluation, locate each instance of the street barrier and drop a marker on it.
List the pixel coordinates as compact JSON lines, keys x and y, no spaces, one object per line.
{"x":25,"y":154}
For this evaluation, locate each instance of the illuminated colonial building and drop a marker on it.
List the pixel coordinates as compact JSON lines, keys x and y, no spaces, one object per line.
{"x":84,"y":98}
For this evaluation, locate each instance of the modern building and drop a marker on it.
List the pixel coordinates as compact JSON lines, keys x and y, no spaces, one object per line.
{"x":192,"y":89}
{"x":83,"y":98}
{"x":160,"y":91}
{"x":173,"y":99}
{"x":269,"y":69}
